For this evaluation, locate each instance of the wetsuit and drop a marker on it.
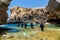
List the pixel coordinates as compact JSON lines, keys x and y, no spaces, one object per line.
{"x":32,"y":25}
{"x":42,"y":27}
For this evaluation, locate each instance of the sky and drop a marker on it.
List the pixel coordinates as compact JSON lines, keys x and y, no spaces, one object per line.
{"x":27,"y":4}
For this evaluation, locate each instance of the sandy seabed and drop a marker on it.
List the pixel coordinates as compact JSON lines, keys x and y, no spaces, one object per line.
{"x":33,"y":34}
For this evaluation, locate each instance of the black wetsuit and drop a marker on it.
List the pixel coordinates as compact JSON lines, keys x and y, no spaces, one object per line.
{"x":42,"y":27}
{"x":18,"y":25}
{"x":32,"y":25}
{"x":22,"y":25}
{"x":25,"y":25}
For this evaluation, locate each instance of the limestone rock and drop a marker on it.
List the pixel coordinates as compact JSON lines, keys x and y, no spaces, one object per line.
{"x":28,"y":14}
{"x":3,"y":8}
{"x":54,"y":8}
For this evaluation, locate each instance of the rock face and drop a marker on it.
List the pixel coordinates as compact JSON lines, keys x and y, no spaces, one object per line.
{"x":28,"y":14}
{"x":54,"y":9}
{"x":3,"y":8}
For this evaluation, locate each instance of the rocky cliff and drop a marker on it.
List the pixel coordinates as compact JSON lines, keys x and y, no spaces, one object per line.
{"x":3,"y":10}
{"x":53,"y":9}
{"x":28,"y":14}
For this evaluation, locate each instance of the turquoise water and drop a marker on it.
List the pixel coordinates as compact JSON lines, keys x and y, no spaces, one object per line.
{"x":14,"y":27}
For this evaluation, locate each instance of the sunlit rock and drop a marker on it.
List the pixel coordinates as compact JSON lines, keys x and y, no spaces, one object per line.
{"x":28,"y":14}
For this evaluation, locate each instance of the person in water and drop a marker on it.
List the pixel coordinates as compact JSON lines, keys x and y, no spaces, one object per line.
{"x":32,"y":25}
{"x":42,"y":27}
{"x":25,"y":25}
{"x":18,"y":25}
{"x":22,"y":25}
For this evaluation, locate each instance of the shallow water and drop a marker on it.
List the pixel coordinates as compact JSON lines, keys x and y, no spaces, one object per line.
{"x":33,"y":34}
{"x":15,"y":25}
